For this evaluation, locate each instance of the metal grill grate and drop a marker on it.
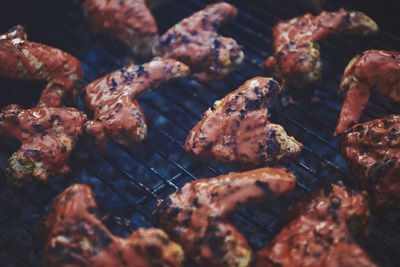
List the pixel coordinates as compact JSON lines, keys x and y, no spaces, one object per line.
{"x":127,"y":182}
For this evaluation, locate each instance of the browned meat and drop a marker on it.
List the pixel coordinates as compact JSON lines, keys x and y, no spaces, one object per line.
{"x":76,"y":237}
{"x":129,"y":21}
{"x":373,"y":69}
{"x":47,"y":137}
{"x":21,"y":59}
{"x":195,"y":41}
{"x":372,"y":152}
{"x":194,"y":215}
{"x":111,"y":99}
{"x":237,"y":130}
{"x":297,"y":59}
{"x":322,"y":234}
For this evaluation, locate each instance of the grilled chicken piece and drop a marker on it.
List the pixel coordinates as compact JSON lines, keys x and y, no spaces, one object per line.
{"x":47,"y":135}
{"x":111,"y":99}
{"x":194,"y":214}
{"x":322,"y":234}
{"x":360,"y":76}
{"x":195,"y":41}
{"x":237,"y":130}
{"x":76,"y":237}
{"x":372,"y":152}
{"x":129,"y":21}
{"x":297,"y":58}
{"x":21,"y":59}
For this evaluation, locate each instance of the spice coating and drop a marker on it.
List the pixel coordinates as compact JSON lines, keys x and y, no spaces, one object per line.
{"x":195,"y":42}
{"x":322,"y":234}
{"x":111,"y":99}
{"x":194,"y":215}
{"x":129,"y":21}
{"x":47,"y":135}
{"x":76,"y":237}
{"x":22,"y":59}
{"x":373,"y":69}
{"x":237,"y":130}
{"x":372,"y":152}
{"x":297,"y":58}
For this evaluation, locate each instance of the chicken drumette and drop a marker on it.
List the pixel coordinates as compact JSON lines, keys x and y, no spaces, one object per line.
{"x":21,"y":59}
{"x":195,"y":41}
{"x":237,"y":130}
{"x":129,"y":21}
{"x":322,"y":234}
{"x":47,"y":137}
{"x":76,"y":237}
{"x":373,"y":69}
{"x":111,"y":99}
{"x":297,"y":57}
{"x":194,"y":214}
{"x":372,"y":152}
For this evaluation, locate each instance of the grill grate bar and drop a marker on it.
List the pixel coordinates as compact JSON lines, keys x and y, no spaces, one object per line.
{"x":22,"y":258}
{"x":122,"y":197}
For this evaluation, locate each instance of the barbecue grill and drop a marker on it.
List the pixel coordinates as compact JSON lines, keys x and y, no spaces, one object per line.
{"x":128,"y":181}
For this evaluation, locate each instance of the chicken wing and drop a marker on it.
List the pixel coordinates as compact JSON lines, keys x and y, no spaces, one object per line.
{"x":373,"y":69}
{"x":76,"y":237}
{"x":129,"y":21}
{"x":237,"y":129}
{"x":194,"y":214}
{"x":297,"y":57}
{"x":21,"y":59}
{"x":372,"y":152}
{"x":322,"y":234}
{"x":195,"y":41}
{"x":111,"y":99}
{"x":47,"y":137}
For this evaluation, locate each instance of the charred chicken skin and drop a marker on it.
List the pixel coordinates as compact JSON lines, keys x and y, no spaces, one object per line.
{"x":372,"y":152}
{"x":237,"y":130}
{"x":47,"y":137}
{"x":129,"y":21}
{"x":76,"y":237}
{"x":195,"y":42}
{"x":297,"y":58}
{"x":194,"y":214}
{"x":111,"y":99}
{"x":373,"y":69}
{"x":322,"y":234}
{"x":22,"y":59}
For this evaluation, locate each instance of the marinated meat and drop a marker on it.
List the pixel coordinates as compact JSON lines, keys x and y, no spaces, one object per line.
{"x":372,"y":152}
{"x":237,"y":129}
{"x":129,"y":21}
{"x":373,"y":69}
{"x":76,"y":237}
{"x":322,"y":234}
{"x":111,"y":99}
{"x":194,"y":215}
{"x":22,"y":59}
{"x":195,"y":42}
{"x":297,"y":58}
{"x":47,"y":137}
